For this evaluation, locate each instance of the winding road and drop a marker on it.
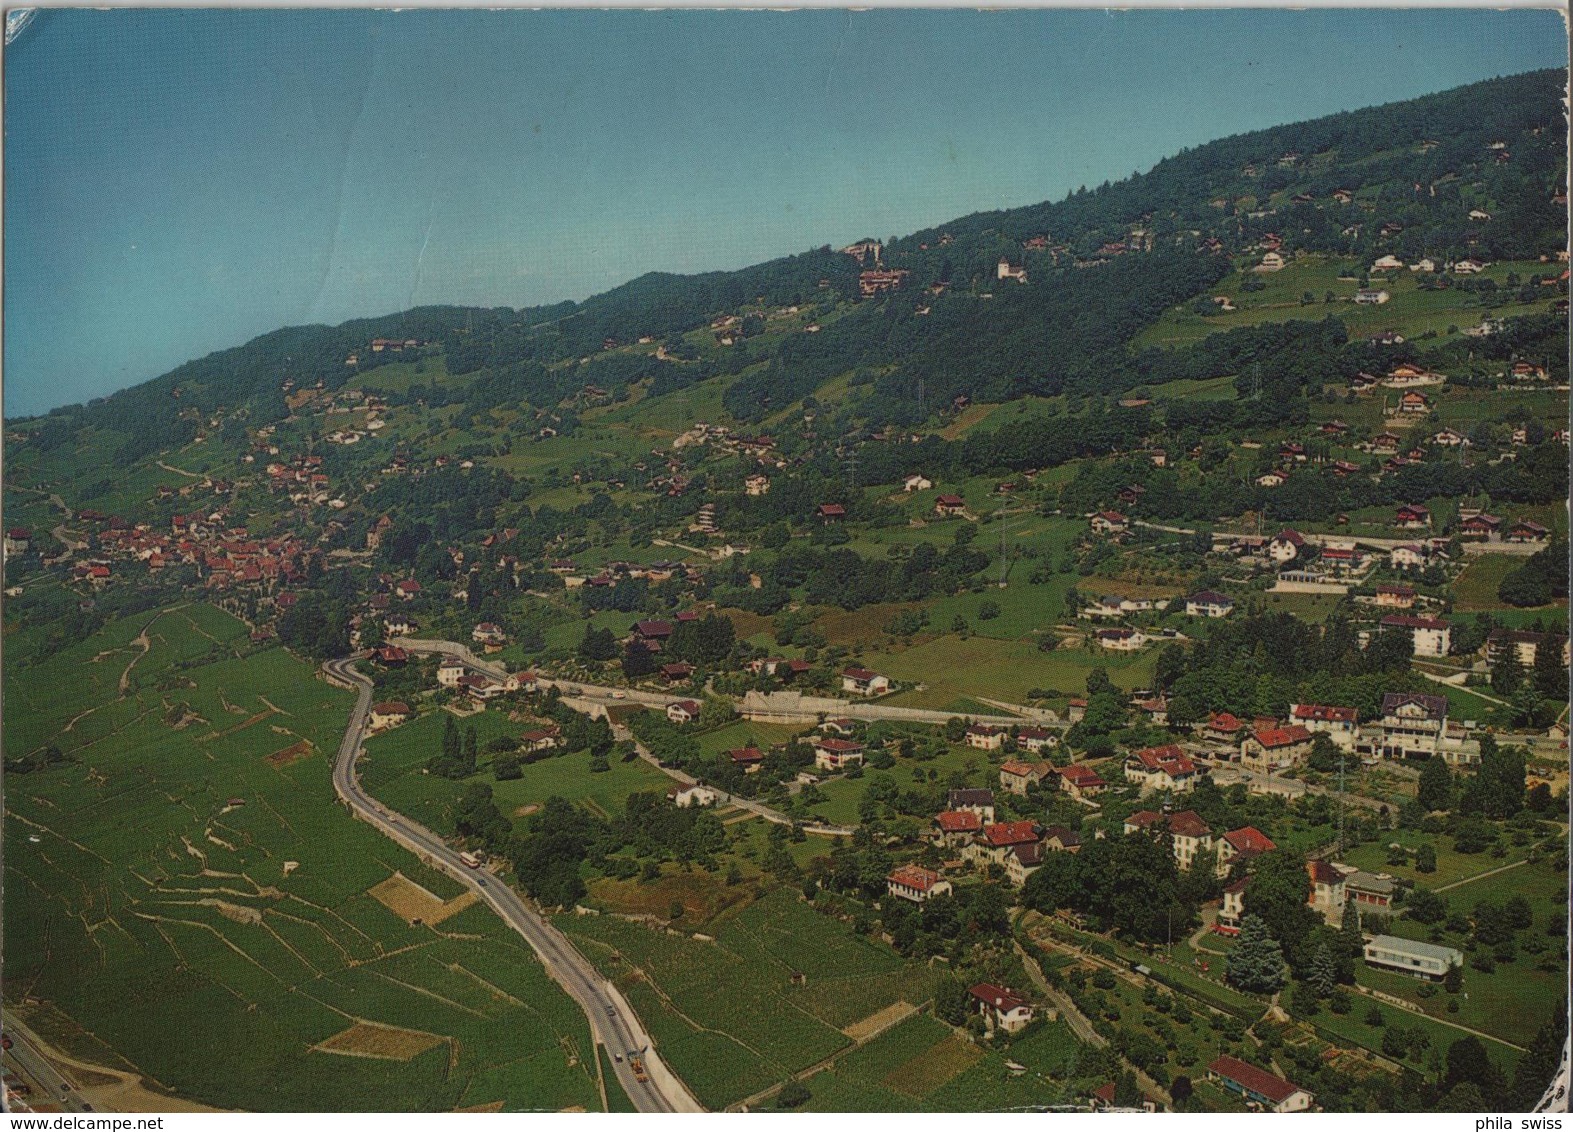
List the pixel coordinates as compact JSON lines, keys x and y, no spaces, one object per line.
{"x":612,"y":1021}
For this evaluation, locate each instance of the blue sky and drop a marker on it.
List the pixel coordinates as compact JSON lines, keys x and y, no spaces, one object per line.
{"x":180,"y":181}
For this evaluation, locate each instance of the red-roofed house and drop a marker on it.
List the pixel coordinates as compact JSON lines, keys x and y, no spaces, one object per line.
{"x":998,"y":843}
{"x":956,"y":827}
{"x":1233,"y":909}
{"x":1081,"y":781}
{"x":837,"y":754}
{"x":1222,"y":727}
{"x":1001,"y":1007}
{"x":864,"y":682}
{"x":750,"y":759}
{"x":915,"y":883}
{"x":1273,"y":748}
{"x":949,"y":505}
{"x":1258,"y":1086}
{"x":682,"y":711}
{"x":1241,"y":845}
{"x":984,"y":737}
{"x":1109,"y":523}
{"x":1162,"y":768}
{"x":1016,"y":777}
{"x":1340,"y":724}
{"x":390,"y":714}
{"x":1035,"y":739}
{"x":1191,"y":835}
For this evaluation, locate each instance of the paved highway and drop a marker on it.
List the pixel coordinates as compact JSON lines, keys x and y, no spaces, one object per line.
{"x":54,"y":1087}
{"x":611,"y":1020}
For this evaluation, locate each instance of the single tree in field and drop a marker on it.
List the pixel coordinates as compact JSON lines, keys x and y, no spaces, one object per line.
{"x":1323,"y":975}
{"x":1436,"y":785}
{"x":1257,"y":962}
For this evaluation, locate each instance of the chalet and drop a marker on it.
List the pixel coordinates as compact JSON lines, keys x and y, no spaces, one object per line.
{"x":1340,"y":724}
{"x":1333,"y":428}
{"x":1273,"y":748}
{"x":1528,"y":371}
{"x":488,"y":633}
{"x":17,"y":540}
{"x":1241,"y":845}
{"x":1016,"y":777}
{"x":837,"y":754}
{"x":1221,"y":727}
{"x":977,"y":801}
{"x":407,"y":589}
{"x":864,"y":682}
{"x":539,"y":740}
{"x":1468,"y":267}
{"x":1387,"y":263}
{"x":1257,"y":1086}
{"x":1036,"y":739}
{"x":998,"y":843}
{"x":684,"y":795}
{"x":1526,"y":531}
{"x":1384,"y":443}
{"x":1121,"y":640}
{"x":832,"y":512}
{"x":1209,"y":603}
{"x":1407,"y":375}
{"x":1286,"y":545}
{"x":682,"y":711}
{"x":841,"y":726}
{"x":916,"y":482}
{"x":956,"y":827}
{"x":915,"y":883}
{"x":1409,"y":556}
{"x":1081,"y":781}
{"x":1412,"y":516}
{"x":1274,"y":478}
{"x":1001,"y":1007}
{"x":1109,"y":523}
{"x":1162,"y":768}
{"x":1448,"y":438}
{"x":747,"y":759}
{"x":1479,"y":526}
{"x":1367,"y":296}
{"x":1343,"y":468}
{"x":1411,"y":725}
{"x":390,"y":656}
{"x":949,"y":505}
{"x":653,"y":631}
{"x":1414,"y":403}
{"x":983,"y":737}
{"x":757,"y":485}
{"x":676,"y":672}
{"x":1391,"y":596}
{"x":1431,"y":637}
{"x":390,"y":714}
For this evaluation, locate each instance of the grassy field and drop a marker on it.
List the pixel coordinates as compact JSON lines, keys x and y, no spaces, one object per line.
{"x":726,"y":1013}
{"x":203,"y":911}
{"x":1475,"y":589}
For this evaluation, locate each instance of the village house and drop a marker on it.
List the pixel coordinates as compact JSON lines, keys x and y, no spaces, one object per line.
{"x":1001,"y":1007}
{"x":1232,"y":908}
{"x":1412,"y":957}
{"x":1526,"y":531}
{"x":832,"y":512}
{"x":998,"y":841}
{"x":953,"y":828}
{"x":1387,"y":263}
{"x":1121,"y":640}
{"x":1222,"y":727}
{"x":837,"y":754}
{"x":1275,"y":748}
{"x":1367,"y":296}
{"x":1075,"y":709}
{"x":1412,"y":516}
{"x":915,"y":883}
{"x":864,"y":682}
{"x":1257,"y":1086}
{"x":984,"y":737}
{"x":757,"y":484}
{"x":390,"y":714}
{"x":949,"y":505}
{"x":974,"y":800}
{"x":1431,"y":637}
{"x":1109,"y":523}
{"x":1326,"y":896}
{"x":488,"y":633}
{"x":682,"y":711}
{"x":538,"y":740}
{"x":1367,"y":892}
{"x":1036,"y":739}
{"x":1240,"y":845}
{"x":17,"y":540}
{"x":408,"y":589}
{"x":1016,"y":777}
{"x":1392,"y":596}
{"x":1209,"y":603}
{"x":684,"y":795}
{"x":1162,"y":768}
{"x":1340,"y":724}
{"x":1524,"y":644}
{"x":1061,"y":839}
{"x":1285,"y":546}
{"x":1411,"y":725}
{"x":1191,"y":835}
{"x":449,"y":672}
{"x":676,"y":672}
{"x":1479,"y":526}
{"x":1414,"y":404}
{"x":748,"y":759}
{"x":916,"y":482}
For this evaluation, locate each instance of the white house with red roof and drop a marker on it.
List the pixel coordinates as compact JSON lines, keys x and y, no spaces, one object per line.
{"x":1192,"y":836}
{"x":1081,"y":782}
{"x":1241,"y":845}
{"x":1340,"y":724}
{"x":389,"y":714}
{"x":749,"y":759}
{"x":1258,"y":1086}
{"x":1001,"y":1007}
{"x":1036,"y":739}
{"x":17,"y":540}
{"x":488,"y":633}
{"x":1109,"y":523}
{"x":1233,"y":908}
{"x":1275,"y":748}
{"x":985,"y":737}
{"x":998,"y":841}
{"x":864,"y":682}
{"x":1223,"y":727}
{"x":408,"y":589}
{"x":950,"y":505}
{"x":1017,"y":776}
{"x":682,"y":711}
{"x":955,"y":828}
{"x":1162,"y":768}
{"x":915,"y":883}
{"x":1285,"y":546}
{"x":837,"y":754}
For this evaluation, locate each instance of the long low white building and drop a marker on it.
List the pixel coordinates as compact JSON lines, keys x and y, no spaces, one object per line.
{"x":1412,"y":956}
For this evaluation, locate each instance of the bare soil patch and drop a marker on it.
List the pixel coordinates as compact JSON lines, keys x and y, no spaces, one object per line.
{"x":866,"y":1028}
{"x":290,"y":754}
{"x":370,"y":1039}
{"x":409,"y":901}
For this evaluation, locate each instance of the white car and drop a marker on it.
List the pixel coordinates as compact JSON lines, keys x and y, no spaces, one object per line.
{"x":619,"y":694}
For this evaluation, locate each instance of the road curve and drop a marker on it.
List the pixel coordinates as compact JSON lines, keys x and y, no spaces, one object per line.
{"x":613,"y":1023}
